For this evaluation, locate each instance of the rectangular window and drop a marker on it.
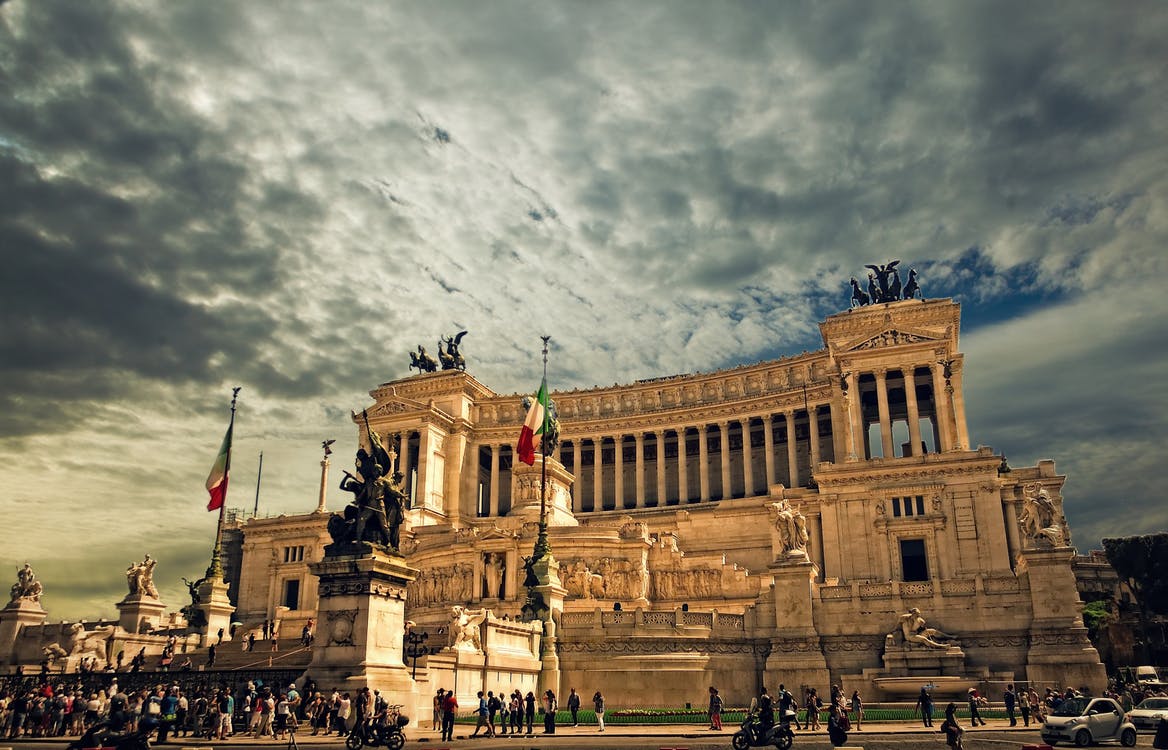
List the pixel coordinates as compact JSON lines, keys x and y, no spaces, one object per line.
{"x":292,"y":593}
{"x":896,"y":507}
{"x":913,"y":561}
{"x":920,"y":505}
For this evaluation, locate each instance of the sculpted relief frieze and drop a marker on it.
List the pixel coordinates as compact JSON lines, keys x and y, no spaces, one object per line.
{"x":453,"y":583}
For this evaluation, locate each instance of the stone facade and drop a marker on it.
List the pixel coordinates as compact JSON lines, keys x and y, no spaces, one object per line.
{"x":667,"y":519}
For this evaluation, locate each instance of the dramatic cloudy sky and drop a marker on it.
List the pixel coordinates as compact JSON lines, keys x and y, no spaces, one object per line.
{"x":289,"y":196}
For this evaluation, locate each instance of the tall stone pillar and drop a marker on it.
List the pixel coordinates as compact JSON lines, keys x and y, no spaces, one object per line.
{"x":598,"y":473}
{"x":361,"y":626}
{"x":403,"y":462}
{"x":493,"y":496}
{"x":1060,"y":652}
{"x":577,"y":489}
{"x":962,"y":432}
{"x":324,"y":467}
{"x":704,"y":462}
{"x":941,"y":402}
{"x":455,"y":449}
{"x":430,"y":489}
{"x":796,"y":656}
{"x":886,"y":448}
{"x":856,"y":440}
{"x":914,"y":414}
{"x":813,"y":436}
{"x":682,"y":472}
{"x":747,"y":463}
{"x":792,"y":451}
{"x":724,"y":432}
{"x":618,"y":470}
{"x":661,"y":468}
{"x":639,"y":440}
{"x":768,"y":444}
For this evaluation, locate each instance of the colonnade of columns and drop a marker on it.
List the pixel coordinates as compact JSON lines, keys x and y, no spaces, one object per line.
{"x":699,"y":463}
{"x":887,"y":396}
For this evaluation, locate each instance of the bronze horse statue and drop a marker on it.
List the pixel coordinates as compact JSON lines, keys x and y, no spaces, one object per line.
{"x":423,"y":361}
{"x":859,"y":299}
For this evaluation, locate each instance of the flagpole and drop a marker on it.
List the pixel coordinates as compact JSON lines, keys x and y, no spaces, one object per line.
{"x":541,"y":543}
{"x":216,"y":569}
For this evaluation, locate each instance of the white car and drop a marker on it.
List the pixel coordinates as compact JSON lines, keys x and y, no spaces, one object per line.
{"x":1086,"y":721}
{"x":1147,"y":715}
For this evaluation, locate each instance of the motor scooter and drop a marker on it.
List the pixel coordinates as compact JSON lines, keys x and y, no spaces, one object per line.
{"x":101,"y":736}
{"x":753,"y":734}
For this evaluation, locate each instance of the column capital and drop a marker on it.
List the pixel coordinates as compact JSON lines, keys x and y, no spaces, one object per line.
{"x":881,"y":373}
{"x":639,"y":437}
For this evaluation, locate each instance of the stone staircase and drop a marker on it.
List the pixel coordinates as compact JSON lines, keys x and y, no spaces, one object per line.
{"x":231,"y":656}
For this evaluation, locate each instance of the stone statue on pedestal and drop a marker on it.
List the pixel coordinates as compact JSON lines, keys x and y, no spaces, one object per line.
{"x":466,"y":628}
{"x":915,"y":632}
{"x":140,"y":578}
{"x":1039,"y":519}
{"x":27,"y":586}
{"x":792,"y":528}
{"x":379,"y":503}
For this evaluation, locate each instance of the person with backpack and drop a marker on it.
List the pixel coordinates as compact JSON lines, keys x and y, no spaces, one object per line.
{"x":951,"y":728}
{"x":492,"y":710}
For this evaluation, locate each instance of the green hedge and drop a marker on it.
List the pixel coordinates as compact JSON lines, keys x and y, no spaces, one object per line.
{"x":732,"y":716}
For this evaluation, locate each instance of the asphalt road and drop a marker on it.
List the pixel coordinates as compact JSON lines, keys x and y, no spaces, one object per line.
{"x":619,"y":738}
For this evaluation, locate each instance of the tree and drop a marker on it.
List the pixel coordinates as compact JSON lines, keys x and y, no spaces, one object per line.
{"x":1142,"y":563}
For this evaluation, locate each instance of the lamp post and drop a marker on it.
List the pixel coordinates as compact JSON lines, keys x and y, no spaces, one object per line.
{"x":415,"y":649}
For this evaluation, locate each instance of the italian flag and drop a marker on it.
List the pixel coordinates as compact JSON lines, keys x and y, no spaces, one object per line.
{"x":217,"y":479}
{"x":534,"y":425}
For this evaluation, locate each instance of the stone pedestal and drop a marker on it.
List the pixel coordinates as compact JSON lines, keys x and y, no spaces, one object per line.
{"x":17,"y":615}
{"x":1060,"y":651}
{"x":525,"y":492}
{"x":140,"y":613}
{"x":361,"y":626}
{"x":216,"y":608}
{"x":796,"y":657}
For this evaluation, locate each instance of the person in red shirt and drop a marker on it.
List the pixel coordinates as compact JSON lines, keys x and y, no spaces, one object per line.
{"x":449,"y":706}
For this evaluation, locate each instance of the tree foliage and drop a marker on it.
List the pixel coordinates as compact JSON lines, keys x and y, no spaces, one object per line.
{"x":1142,"y":562}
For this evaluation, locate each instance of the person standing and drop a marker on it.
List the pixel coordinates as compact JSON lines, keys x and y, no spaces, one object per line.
{"x":858,"y":709}
{"x":715,"y":709}
{"x":574,"y":707}
{"x":835,"y":725}
{"x":766,"y":711}
{"x":529,"y":710}
{"x":211,"y":656}
{"x":449,"y":706}
{"x":437,"y":722}
{"x":925,"y":706}
{"x":598,"y":704}
{"x":813,"y":706}
{"x":549,"y":712}
{"x":1010,"y":699}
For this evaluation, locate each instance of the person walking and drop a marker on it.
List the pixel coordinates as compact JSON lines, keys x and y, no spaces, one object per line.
{"x":814,"y":706}
{"x":1010,"y":700}
{"x":482,"y":711}
{"x":836,"y":728}
{"x":549,"y":712}
{"x":574,"y":707}
{"x":858,"y":709}
{"x":211,"y":656}
{"x":925,"y":706}
{"x":974,"y":704}
{"x":598,"y":704}
{"x":715,"y":710}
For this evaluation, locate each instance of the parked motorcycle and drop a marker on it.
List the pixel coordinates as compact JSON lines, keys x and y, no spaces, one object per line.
{"x":378,"y":734}
{"x":100,"y":735}
{"x":753,"y":734}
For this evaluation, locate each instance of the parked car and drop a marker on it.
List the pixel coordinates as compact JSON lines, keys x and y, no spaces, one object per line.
{"x":1147,"y":715}
{"x":1086,"y":721}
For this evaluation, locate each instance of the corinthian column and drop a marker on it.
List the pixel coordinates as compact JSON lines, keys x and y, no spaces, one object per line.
{"x":885,"y":422}
{"x":747,"y":460}
{"x":639,"y":439}
{"x":619,"y":470}
{"x":768,"y":444}
{"x":704,"y":462}
{"x":914,"y":415}
{"x":682,"y":475}
{"x":660,"y":468}
{"x":724,"y":430}
{"x":792,"y":450}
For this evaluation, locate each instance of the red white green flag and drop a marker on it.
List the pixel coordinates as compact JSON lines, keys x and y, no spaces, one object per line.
{"x":217,"y":479}
{"x":534,"y":424}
